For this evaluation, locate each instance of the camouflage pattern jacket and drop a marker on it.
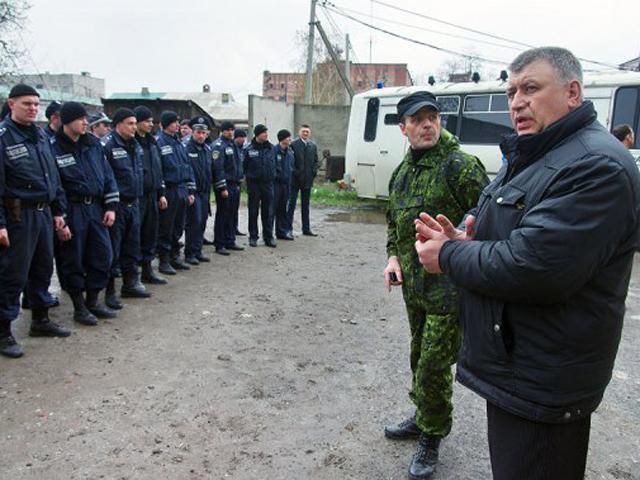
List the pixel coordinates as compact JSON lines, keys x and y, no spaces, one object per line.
{"x":443,"y":180}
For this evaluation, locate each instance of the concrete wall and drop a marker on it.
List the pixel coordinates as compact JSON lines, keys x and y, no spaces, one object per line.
{"x":328,"y":122}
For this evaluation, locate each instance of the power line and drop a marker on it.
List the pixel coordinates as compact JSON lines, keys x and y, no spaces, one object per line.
{"x":497,"y":37}
{"x":417,"y":27}
{"x":413,"y":40}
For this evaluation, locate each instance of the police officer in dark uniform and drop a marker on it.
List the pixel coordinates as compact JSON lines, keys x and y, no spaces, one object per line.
{"x":125,"y":157}
{"x":31,"y":205}
{"x":180,"y":188}
{"x":154,"y":198}
{"x":199,"y":154}
{"x":227,"y":188}
{"x":259,"y":167}
{"x":239,"y":139}
{"x":53,"y":119}
{"x":282,"y":185}
{"x":92,"y":196}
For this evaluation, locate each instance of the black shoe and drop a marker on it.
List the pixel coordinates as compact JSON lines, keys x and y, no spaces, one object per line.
{"x":10,"y":348}
{"x":165,"y":266}
{"x":191,"y":260}
{"x":287,"y":236}
{"x":179,"y":264}
{"x":52,"y":302}
{"x":404,"y":430}
{"x":102,"y":311}
{"x":207,"y":242}
{"x":47,"y":328}
{"x":132,"y":287}
{"x":423,"y":464}
{"x":253,"y":242}
{"x":111,"y":300}
{"x":270,"y":243}
{"x":310,"y":234}
{"x":240,"y":234}
{"x":81,"y":313}
{"x":235,"y":248}
{"x":222,"y":251}
{"x":203,"y":258}
{"x":149,"y":276}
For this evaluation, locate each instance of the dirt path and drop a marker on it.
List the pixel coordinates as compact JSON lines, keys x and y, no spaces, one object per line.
{"x":270,"y":364}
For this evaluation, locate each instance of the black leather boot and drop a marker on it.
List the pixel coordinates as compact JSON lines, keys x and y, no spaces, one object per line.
{"x":131,"y":286}
{"x":424,"y":461}
{"x":81,"y":313}
{"x":149,"y":276}
{"x":41,"y":326}
{"x":98,"y":309}
{"x":404,"y":430}
{"x":8,"y":345}
{"x":110,"y":298}
{"x":178,"y":263}
{"x":165,"y":265}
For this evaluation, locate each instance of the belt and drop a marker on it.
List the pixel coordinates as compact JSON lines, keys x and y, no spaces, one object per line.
{"x":86,"y":199}
{"x":18,"y":202}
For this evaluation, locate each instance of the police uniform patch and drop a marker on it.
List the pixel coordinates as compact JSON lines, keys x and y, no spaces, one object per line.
{"x":17,"y":151}
{"x":119,"y":153}
{"x":193,"y":155}
{"x":216,"y":154}
{"x":229,"y":151}
{"x":254,"y":153}
{"x":166,"y":150}
{"x":64,"y":161}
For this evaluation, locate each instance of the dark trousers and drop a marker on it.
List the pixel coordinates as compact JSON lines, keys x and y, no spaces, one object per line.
{"x":149,"y":224}
{"x":526,"y":450}
{"x":196,"y":224}
{"x":260,"y":199}
{"x":280,"y":202}
{"x":172,"y":220}
{"x":125,"y":238}
{"x":27,"y":262}
{"x":84,"y":262}
{"x":305,"y":194}
{"x":225,"y":222}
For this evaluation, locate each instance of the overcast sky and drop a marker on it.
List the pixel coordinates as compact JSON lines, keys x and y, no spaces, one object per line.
{"x":180,"y":45}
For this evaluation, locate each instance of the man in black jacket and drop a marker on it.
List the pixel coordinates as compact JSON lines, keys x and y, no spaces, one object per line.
{"x":543,"y":263}
{"x":305,"y":169}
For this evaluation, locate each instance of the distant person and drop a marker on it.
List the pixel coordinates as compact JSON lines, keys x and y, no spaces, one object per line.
{"x":100,"y":126}
{"x":92,"y":198}
{"x":153,"y":199}
{"x":435,"y":175}
{"x":200,"y":159}
{"x":282,"y":184}
{"x":125,"y":157}
{"x":185,"y":131}
{"x":260,"y":170}
{"x":53,"y":119}
{"x":624,"y":133}
{"x":239,"y":140}
{"x":543,"y":267}
{"x":305,"y":169}
{"x":32,"y":206}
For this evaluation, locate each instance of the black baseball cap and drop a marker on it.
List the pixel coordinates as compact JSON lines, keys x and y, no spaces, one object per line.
{"x":410,"y":104}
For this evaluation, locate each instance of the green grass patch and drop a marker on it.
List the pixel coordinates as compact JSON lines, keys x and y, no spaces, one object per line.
{"x":329,"y":195}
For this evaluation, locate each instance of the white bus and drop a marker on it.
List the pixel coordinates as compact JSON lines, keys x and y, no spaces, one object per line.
{"x":477,"y":113}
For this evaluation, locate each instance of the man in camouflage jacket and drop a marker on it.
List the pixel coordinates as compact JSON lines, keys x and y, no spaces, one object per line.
{"x":435,"y":176}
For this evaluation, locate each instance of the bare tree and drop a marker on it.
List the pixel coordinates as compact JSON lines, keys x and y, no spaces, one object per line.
{"x":461,"y":66}
{"x":13,"y":16}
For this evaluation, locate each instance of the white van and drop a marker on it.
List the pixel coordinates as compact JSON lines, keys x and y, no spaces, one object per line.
{"x":477,"y":113}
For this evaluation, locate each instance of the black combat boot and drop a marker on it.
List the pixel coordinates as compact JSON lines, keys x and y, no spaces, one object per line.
{"x":165,"y":265}
{"x":253,"y":242}
{"x":8,"y":345}
{"x":98,"y":309}
{"x":41,"y":326}
{"x":191,"y":260}
{"x":131,"y":286}
{"x":149,"y":276}
{"x":404,"y":430}
{"x":424,"y":461}
{"x":110,"y":298}
{"x":177,"y":262}
{"x":81,"y":313}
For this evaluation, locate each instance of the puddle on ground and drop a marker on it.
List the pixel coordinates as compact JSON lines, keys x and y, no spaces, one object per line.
{"x":358,"y":216}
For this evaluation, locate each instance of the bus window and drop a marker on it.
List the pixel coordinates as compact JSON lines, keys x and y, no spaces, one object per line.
{"x":626,"y":108}
{"x":391,"y":119}
{"x":485,"y":119}
{"x":371,"y":121}
{"x":450,"y":106}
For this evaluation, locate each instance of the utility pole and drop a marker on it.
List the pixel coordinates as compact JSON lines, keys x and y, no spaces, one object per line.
{"x":336,"y":62}
{"x":308,"y":83}
{"x":347,"y":67}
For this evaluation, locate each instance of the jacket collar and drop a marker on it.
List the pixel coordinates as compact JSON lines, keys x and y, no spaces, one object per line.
{"x":446,"y":143}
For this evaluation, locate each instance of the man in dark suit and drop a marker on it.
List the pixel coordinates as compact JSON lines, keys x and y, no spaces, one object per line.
{"x":305,"y":169}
